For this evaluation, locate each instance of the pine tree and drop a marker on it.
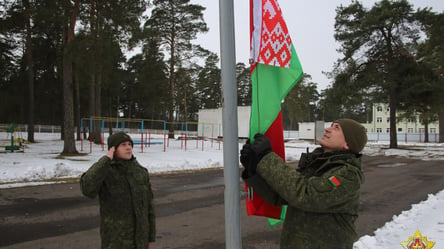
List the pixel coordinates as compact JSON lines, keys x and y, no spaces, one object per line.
{"x":175,"y":23}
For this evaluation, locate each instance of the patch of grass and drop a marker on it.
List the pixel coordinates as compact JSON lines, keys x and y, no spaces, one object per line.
{"x":184,"y":171}
{"x":65,"y":155}
{"x":53,"y":180}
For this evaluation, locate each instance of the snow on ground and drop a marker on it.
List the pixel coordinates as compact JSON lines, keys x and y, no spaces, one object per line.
{"x":41,"y":163}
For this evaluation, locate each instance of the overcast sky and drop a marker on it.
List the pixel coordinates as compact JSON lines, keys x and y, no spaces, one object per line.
{"x":310,"y":23}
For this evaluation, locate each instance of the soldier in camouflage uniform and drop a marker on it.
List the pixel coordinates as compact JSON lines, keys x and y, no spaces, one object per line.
{"x":322,"y":194}
{"x":125,"y":196}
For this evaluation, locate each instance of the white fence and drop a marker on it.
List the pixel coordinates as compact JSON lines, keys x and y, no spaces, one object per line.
{"x":382,"y":137}
{"x":403,"y":137}
{"x":37,"y":128}
{"x":372,"y":136}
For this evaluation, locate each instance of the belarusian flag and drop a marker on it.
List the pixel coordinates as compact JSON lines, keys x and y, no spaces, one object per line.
{"x":275,"y":69}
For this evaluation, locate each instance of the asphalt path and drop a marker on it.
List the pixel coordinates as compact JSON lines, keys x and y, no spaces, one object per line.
{"x":190,"y":208}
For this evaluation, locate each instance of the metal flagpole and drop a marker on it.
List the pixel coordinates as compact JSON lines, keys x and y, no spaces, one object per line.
{"x":230,"y":127}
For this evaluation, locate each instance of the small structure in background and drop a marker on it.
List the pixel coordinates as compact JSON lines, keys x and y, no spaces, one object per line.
{"x":211,"y":122}
{"x":312,"y":131}
{"x":13,"y":147}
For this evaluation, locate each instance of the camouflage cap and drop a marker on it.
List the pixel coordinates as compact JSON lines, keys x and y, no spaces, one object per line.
{"x":118,"y":138}
{"x":354,"y":133}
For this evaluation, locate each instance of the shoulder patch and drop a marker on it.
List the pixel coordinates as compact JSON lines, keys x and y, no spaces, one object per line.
{"x":334,"y":181}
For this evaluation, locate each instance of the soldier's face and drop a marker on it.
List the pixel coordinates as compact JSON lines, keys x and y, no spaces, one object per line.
{"x":124,"y":150}
{"x":333,"y":139}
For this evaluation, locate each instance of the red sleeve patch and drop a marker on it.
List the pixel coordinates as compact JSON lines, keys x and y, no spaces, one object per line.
{"x":334,"y":181}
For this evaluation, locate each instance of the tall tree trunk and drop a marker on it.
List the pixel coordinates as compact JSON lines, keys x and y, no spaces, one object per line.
{"x":96,"y":70}
{"x":68,"y":103}
{"x":426,"y":132}
{"x":59,"y":78}
{"x":97,"y":138}
{"x":172,"y":81}
{"x":92,"y":72}
{"x":172,"y":104}
{"x":30,"y":63}
{"x":99,"y":65}
{"x":99,"y":68}
{"x":92,"y":90}
{"x":77,"y":102}
{"x":185,"y":104}
{"x":392,"y":106}
{"x":441,"y":125}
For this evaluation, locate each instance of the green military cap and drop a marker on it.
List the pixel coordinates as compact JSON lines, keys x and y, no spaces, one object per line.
{"x":354,"y":133}
{"x":118,"y":138}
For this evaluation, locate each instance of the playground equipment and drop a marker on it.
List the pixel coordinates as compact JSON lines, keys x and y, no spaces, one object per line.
{"x":157,"y":130}
{"x":13,"y":147}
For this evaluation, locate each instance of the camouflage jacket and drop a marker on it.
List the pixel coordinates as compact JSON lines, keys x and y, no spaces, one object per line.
{"x":320,"y":213}
{"x":127,"y":218}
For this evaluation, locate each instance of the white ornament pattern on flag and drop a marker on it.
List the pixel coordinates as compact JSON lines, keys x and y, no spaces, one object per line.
{"x":276,"y":42}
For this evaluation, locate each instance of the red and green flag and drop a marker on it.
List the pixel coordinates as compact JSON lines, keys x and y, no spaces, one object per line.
{"x":275,"y":69}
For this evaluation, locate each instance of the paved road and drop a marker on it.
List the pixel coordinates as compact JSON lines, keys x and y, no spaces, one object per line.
{"x":190,"y":208}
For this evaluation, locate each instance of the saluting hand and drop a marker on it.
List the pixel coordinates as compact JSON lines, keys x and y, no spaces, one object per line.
{"x":110,"y":153}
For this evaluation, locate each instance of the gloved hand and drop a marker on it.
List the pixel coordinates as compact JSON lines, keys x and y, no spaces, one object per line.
{"x":245,"y":154}
{"x":251,"y":154}
{"x":245,"y":159}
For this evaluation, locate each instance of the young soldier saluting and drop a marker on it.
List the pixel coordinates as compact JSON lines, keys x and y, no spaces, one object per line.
{"x":127,"y":219}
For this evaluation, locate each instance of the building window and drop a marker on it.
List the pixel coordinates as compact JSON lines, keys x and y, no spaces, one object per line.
{"x":379,"y":109}
{"x":399,"y":129}
{"x":388,"y":119}
{"x":421,"y":130}
{"x":409,"y":130}
{"x":378,"y":130}
{"x":387,"y":130}
{"x":378,"y":120}
{"x":433,"y":130}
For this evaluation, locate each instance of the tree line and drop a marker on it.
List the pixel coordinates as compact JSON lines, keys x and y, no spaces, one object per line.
{"x":391,"y":53}
{"x":63,"y":60}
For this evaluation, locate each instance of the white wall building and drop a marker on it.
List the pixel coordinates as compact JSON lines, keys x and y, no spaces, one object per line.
{"x":379,"y":128}
{"x":210,"y":125}
{"x":381,"y":122}
{"x":312,"y":130}
{"x":210,"y":122}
